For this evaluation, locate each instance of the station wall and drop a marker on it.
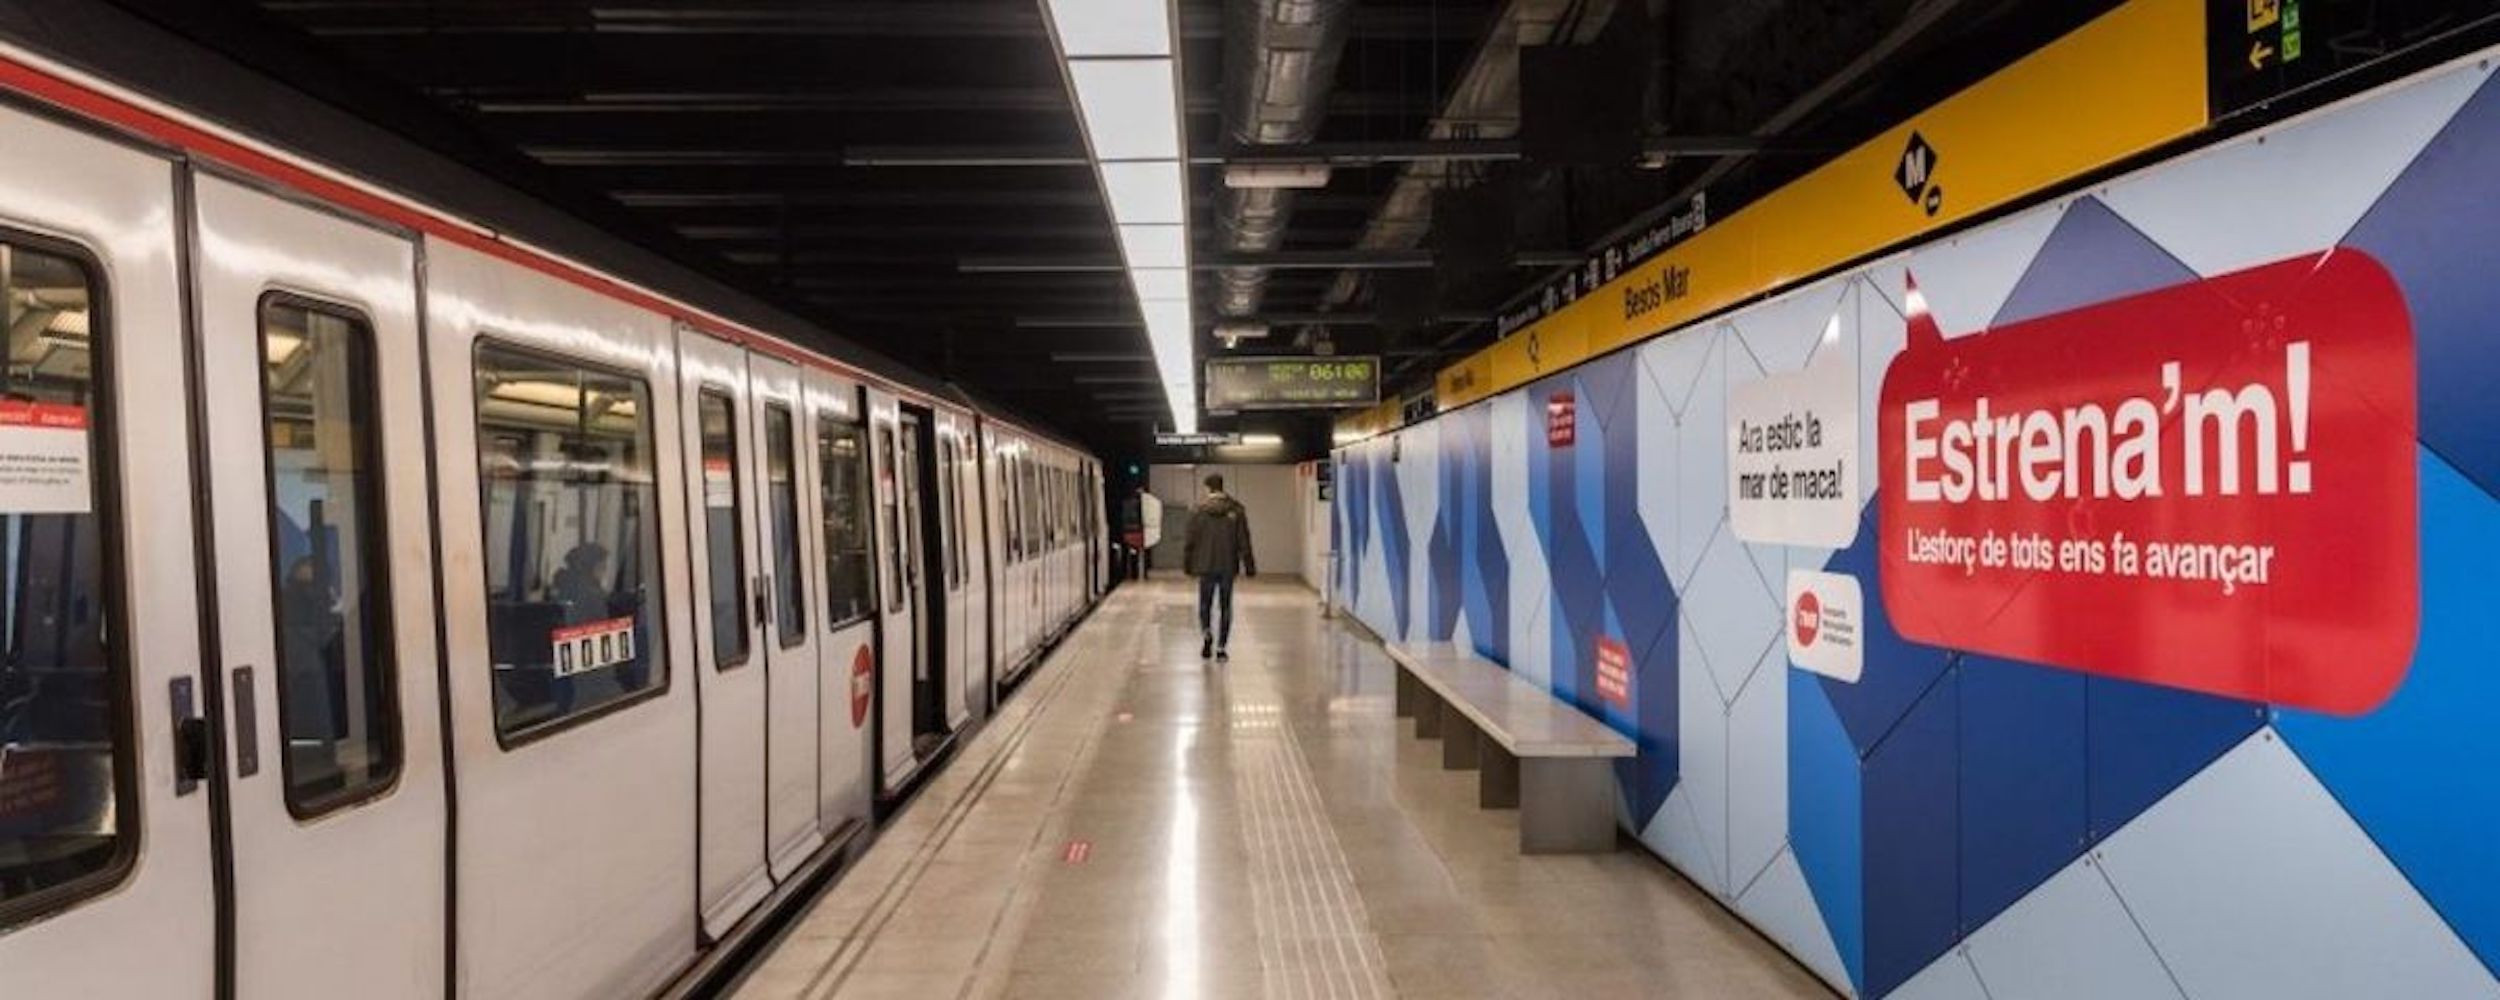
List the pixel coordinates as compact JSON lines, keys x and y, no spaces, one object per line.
{"x":2148,"y":659}
{"x":1270,"y":492}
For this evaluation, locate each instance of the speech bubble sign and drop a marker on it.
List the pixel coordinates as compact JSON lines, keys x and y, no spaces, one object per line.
{"x":2208,"y":486}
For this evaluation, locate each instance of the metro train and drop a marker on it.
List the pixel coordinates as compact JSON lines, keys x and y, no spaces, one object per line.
{"x":393,"y":609}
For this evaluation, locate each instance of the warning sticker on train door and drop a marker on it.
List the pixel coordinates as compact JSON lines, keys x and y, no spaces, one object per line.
{"x":43,"y":459}
{"x":592,"y":645}
{"x":720,"y":485}
{"x":863,"y":685}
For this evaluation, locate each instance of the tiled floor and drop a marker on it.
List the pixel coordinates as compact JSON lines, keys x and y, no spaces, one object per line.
{"x":1138,"y":823}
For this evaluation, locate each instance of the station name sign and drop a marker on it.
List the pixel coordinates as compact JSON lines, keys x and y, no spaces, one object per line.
{"x":1291,"y":383}
{"x":1210,"y":439}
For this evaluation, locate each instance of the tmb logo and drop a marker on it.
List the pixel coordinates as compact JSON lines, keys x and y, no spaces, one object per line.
{"x":1917,"y":175}
{"x":1808,"y":618}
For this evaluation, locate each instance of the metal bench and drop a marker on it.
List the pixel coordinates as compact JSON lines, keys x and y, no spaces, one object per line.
{"x":1534,"y":752}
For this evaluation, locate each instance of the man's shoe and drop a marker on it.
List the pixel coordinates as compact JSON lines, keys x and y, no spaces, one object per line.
{"x":1221,"y":656}
{"x":1206,"y":648}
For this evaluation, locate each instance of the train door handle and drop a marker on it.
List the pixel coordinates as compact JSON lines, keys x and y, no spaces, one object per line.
{"x":192,"y":749}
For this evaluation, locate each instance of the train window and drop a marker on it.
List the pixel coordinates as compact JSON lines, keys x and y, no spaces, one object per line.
{"x":952,"y":489}
{"x":889,"y":526}
{"x":1034,"y":543}
{"x":850,"y":582}
{"x":329,"y":561}
{"x":726,"y":557}
{"x":67,"y":821}
{"x":781,"y":487}
{"x":571,"y":519}
{"x":1007,"y":487}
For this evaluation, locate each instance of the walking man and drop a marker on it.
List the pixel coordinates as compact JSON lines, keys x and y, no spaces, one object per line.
{"x":1218,"y":547}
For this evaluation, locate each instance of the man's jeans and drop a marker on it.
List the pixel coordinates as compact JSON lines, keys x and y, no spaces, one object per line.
{"x":1215,"y":591}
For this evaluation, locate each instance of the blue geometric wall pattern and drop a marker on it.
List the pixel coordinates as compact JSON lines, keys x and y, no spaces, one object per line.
{"x":1947,"y":798}
{"x":2417,"y":772}
{"x":1389,"y":508}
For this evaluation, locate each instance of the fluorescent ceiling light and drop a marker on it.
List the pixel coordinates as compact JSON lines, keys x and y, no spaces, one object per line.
{"x":1145,"y":192}
{"x":1276,"y":175}
{"x":1167,"y":326}
{"x":1112,"y":27}
{"x":1123,"y":70}
{"x":1262,"y":440}
{"x":1160,"y":283}
{"x":1155,"y":246}
{"x":1131,"y":112}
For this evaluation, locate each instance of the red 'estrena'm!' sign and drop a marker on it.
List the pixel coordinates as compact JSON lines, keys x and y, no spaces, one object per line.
{"x":2209,"y":486}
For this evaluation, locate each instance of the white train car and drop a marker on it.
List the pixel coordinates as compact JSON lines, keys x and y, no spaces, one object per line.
{"x":390,"y":603}
{"x":1044,"y":508}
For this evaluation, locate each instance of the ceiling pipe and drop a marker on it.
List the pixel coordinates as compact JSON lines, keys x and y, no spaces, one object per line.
{"x":1280,"y":62}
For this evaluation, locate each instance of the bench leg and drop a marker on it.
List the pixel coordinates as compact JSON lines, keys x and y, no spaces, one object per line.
{"x":1566,"y":805}
{"x":1406,"y":694}
{"x":1459,"y":740}
{"x":1497,"y":784}
{"x":1428,"y":712}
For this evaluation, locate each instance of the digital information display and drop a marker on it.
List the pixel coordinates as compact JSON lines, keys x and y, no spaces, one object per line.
{"x":1295,"y":383}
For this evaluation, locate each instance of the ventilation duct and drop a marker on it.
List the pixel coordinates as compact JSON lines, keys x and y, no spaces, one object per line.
{"x":1280,"y":62}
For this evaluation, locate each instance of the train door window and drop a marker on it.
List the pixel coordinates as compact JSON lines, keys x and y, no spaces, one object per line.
{"x":723,"y":498}
{"x":889,"y":525}
{"x":1033,"y":541}
{"x":850,"y":581}
{"x":336,"y":682}
{"x":67,"y":825}
{"x":1009,"y":493}
{"x":781,"y":487}
{"x":572,"y":536}
{"x":953,"y":512}
{"x":946,"y":520}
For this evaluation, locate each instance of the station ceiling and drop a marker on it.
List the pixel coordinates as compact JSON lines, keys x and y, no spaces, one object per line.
{"x":910,"y":173}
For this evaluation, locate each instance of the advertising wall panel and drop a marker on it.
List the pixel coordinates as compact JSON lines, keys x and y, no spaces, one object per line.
{"x":2151,"y":650}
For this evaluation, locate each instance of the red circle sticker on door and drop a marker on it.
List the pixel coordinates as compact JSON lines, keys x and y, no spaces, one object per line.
{"x":863,"y":685}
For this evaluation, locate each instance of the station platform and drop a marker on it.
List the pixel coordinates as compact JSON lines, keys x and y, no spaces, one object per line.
{"x":1139,"y":822}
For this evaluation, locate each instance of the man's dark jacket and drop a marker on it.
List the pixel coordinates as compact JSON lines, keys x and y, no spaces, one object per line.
{"x":1219,"y":539}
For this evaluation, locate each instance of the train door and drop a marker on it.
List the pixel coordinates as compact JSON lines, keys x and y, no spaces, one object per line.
{"x":324,"y":569}
{"x":997,"y":562}
{"x":901,"y":623}
{"x":1015,"y":594}
{"x":969,"y":614}
{"x":1098,"y":564}
{"x":99,"y":680}
{"x":924,"y":503}
{"x":841,"y":510}
{"x":1089,"y":501}
{"x":789,"y":655}
{"x":731,"y":613}
{"x":954,"y":571}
